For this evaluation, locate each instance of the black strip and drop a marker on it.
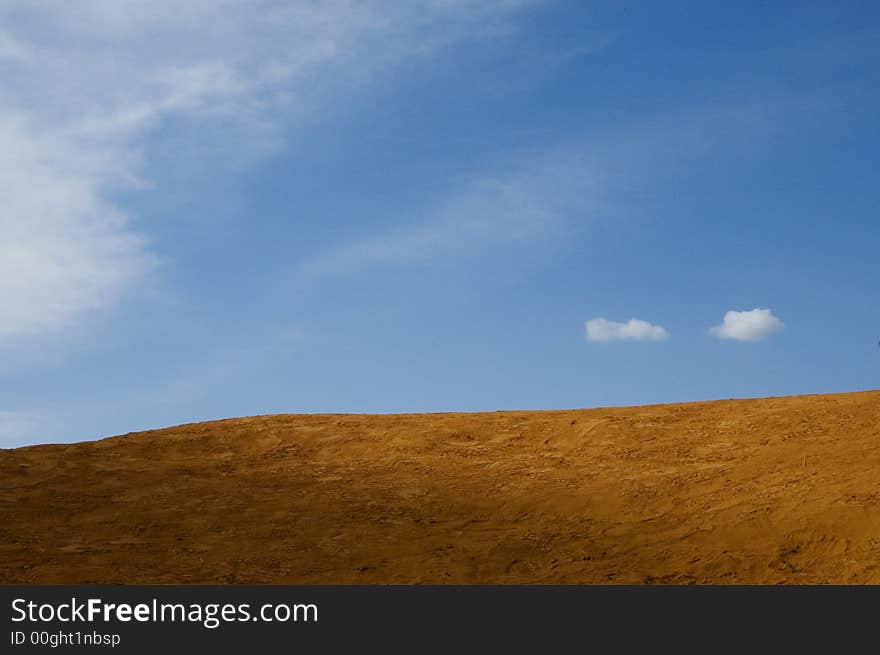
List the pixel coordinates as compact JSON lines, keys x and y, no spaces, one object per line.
{"x":464,"y":619}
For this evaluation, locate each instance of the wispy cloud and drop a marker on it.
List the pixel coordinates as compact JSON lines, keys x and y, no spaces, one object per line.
{"x":63,"y":250}
{"x":85,"y":84}
{"x":535,"y":198}
{"x":753,"y":325}
{"x":556,"y":191}
{"x":603,"y":330}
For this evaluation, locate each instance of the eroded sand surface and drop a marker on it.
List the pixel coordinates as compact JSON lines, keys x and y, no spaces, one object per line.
{"x":752,"y":491}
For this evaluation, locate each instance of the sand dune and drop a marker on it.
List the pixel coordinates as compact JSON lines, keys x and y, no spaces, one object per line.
{"x":778,"y":490}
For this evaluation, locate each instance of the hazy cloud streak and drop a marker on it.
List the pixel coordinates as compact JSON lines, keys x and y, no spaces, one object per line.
{"x":85,"y":84}
{"x":603,"y":330}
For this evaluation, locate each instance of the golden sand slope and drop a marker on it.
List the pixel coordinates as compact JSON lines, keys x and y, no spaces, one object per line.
{"x":746,"y":491}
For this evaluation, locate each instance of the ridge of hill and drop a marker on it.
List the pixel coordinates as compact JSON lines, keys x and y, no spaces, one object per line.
{"x":774,"y":490}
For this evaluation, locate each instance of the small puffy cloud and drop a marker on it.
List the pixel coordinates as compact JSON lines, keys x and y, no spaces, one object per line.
{"x":753,"y":325}
{"x":600,"y":329}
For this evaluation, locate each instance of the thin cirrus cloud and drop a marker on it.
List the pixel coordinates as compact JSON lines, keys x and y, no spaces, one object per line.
{"x":603,"y":330}
{"x":87,"y":84}
{"x":752,"y":325}
{"x":523,"y":202}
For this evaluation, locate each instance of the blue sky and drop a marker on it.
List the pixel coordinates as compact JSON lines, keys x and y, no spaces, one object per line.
{"x":217,"y":209}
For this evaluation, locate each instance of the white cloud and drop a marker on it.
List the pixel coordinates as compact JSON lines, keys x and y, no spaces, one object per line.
{"x":600,"y":329}
{"x":85,"y":84}
{"x":753,"y":325}
{"x":63,"y":251}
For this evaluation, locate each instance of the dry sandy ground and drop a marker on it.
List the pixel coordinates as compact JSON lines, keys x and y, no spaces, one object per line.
{"x":779,"y":490}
